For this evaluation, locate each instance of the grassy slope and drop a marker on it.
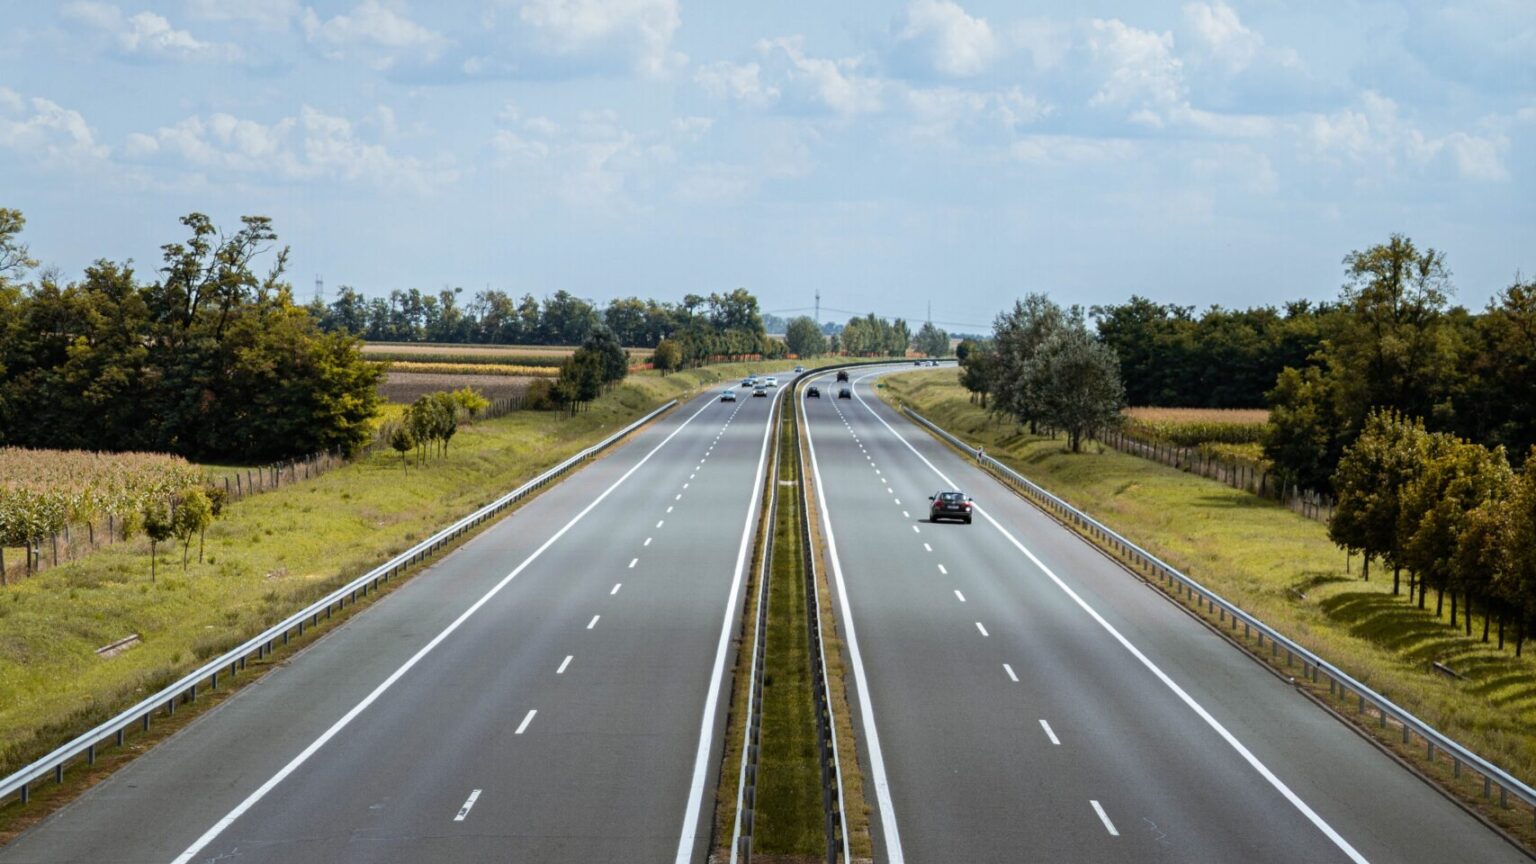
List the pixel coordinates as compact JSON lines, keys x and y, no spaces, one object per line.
{"x":1255,"y":553}
{"x":268,"y":556}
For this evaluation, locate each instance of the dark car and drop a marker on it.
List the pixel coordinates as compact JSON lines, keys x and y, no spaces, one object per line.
{"x":917,"y":362}
{"x":813,"y":392}
{"x":949,"y":505}
{"x":845,"y":393}
{"x":842,"y":374}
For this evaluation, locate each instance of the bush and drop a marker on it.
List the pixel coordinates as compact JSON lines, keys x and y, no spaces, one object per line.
{"x":541,"y":396}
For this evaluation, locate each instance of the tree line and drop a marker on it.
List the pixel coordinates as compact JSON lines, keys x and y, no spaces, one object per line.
{"x":1043,"y":368}
{"x":210,"y":359}
{"x":1450,"y":512}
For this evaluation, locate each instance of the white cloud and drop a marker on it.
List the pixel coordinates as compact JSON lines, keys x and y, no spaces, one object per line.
{"x":833,"y":84}
{"x":147,"y":35}
{"x":741,"y":82}
{"x":1479,"y":158}
{"x":311,"y":145}
{"x":378,"y":30}
{"x":1057,"y":150}
{"x":1222,"y":36}
{"x":938,"y":113}
{"x":635,"y":33}
{"x":266,"y":14}
{"x":54,"y":136}
{"x":1139,"y":70}
{"x":946,"y":38}
{"x":1374,"y":137}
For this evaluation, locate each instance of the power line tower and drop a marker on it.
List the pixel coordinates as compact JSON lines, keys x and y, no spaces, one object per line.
{"x":319,"y":289}
{"x":818,"y":307}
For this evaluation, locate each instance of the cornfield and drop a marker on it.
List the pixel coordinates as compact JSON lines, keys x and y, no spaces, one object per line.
{"x":459,"y":359}
{"x":1191,"y":427}
{"x":41,"y":491}
{"x":505,"y":369}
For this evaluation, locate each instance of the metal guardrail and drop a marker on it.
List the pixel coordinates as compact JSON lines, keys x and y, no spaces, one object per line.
{"x":262,"y":645}
{"x":1341,"y":686}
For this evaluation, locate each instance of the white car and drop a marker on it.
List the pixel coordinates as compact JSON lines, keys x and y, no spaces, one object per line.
{"x":728,"y":396}
{"x":772,"y":381}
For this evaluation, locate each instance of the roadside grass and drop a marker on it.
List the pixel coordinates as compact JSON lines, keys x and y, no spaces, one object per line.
{"x":1281,"y":568}
{"x":789,"y":815}
{"x":268,"y":556}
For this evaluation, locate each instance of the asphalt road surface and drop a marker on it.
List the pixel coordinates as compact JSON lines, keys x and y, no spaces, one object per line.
{"x":1022,"y":698}
{"x":551,"y":691}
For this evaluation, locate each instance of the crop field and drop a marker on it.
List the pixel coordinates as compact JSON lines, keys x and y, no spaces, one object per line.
{"x":1190,"y":427}
{"x":483,"y":369}
{"x":438,"y":352}
{"x":405,"y":387}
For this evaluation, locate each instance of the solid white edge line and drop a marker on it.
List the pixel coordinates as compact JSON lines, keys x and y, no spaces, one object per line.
{"x":251,"y":800}
{"x":1104,"y":817}
{"x":528,"y":718}
{"x":692,"y":811}
{"x":468,"y":805}
{"x":1049,"y":732}
{"x":1011,"y":676}
{"x":1238,"y":746}
{"x":889,"y":831}
{"x":564,"y":663}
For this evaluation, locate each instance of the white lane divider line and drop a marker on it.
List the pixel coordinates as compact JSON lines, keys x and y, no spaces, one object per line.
{"x":927,"y":547}
{"x":660,"y":522}
{"x":336,"y":728}
{"x":523,"y":726}
{"x":633,"y":562}
{"x":678,"y":497}
{"x":564,"y":663}
{"x":685,"y":486}
{"x":959,"y":596}
{"x":647,"y":541}
{"x":898,"y":502}
{"x":1157,"y":672}
{"x":693,"y":475}
{"x":470,"y":802}
{"x":1049,"y":732}
{"x":915,"y":530}
{"x":669,"y":507}
{"x":945,"y":572}
{"x":906,"y":515}
{"x":982,"y":629}
{"x":616,"y":587}
{"x":1104,"y":817}
{"x":1012,"y":677}
{"x":593,"y":622}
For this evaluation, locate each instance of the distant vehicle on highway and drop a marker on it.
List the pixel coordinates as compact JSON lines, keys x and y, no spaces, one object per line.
{"x":771,"y":381}
{"x":748,"y":382}
{"x":845,"y":393}
{"x":933,"y":362}
{"x":813,"y":392}
{"x":917,"y":362}
{"x":842,"y":374}
{"x":949,"y":505}
{"x":799,"y":369}
{"x":728,"y":396}
{"x":760,"y":389}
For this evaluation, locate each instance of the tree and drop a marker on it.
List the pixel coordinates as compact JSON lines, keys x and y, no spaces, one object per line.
{"x":1369,"y":482}
{"x":447,"y":417}
{"x":1018,"y":336}
{"x":1517,"y":587}
{"x":668,"y":357}
{"x":194,"y":513}
{"x":604,"y":345}
{"x":1302,"y":441}
{"x":217,"y":499}
{"x":804,"y":337}
{"x":158,"y":527}
{"x":14,"y":258}
{"x":401,"y":441}
{"x":1458,"y":477}
{"x":977,"y":370}
{"x":931,"y":340}
{"x":471,"y":402}
{"x":1074,"y":384}
{"x":581,"y":379}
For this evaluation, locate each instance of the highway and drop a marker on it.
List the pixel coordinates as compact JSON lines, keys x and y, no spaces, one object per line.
{"x":1019,"y":697}
{"x":553,"y":690}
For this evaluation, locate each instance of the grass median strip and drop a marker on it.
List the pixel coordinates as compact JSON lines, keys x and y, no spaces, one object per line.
{"x":1282,"y":568}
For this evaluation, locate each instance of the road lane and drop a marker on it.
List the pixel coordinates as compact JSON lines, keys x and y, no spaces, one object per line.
{"x":982,"y":769}
{"x":582,"y":742}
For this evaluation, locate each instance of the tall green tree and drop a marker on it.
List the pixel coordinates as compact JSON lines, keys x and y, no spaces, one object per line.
{"x":1388,"y":455}
{"x":1018,"y":335}
{"x":804,"y":337}
{"x":1458,"y":477}
{"x":1074,"y":384}
{"x":931,"y":340}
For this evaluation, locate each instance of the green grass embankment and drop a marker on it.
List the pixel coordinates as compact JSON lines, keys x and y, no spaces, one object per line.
{"x":267,"y":557}
{"x":1283,"y":569}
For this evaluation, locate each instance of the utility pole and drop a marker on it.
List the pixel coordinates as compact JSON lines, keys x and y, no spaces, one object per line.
{"x":319,"y":289}
{"x":818,"y":308}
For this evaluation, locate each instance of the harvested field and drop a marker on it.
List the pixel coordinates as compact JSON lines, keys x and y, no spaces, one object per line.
{"x":482,"y":369}
{"x":405,"y":387}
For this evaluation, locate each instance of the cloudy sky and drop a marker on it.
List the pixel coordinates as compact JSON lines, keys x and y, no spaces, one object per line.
{"x":889,"y":154}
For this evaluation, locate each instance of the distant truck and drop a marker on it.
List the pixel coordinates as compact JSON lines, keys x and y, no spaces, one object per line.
{"x":842,"y":374}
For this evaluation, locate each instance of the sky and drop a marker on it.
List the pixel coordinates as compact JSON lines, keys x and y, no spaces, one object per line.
{"x":893,"y":156}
